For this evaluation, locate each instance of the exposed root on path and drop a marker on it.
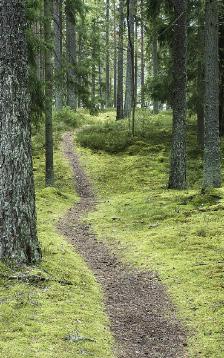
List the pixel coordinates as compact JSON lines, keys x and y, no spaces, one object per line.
{"x":142,"y":318}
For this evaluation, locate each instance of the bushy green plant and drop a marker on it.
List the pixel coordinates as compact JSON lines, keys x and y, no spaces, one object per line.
{"x":110,"y":137}
{"x":68,"y":117}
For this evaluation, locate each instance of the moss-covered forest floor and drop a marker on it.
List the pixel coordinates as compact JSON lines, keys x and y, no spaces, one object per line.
{"x":142,"y":318}
{"x":151,"y":237}
{"x":178,"y":234}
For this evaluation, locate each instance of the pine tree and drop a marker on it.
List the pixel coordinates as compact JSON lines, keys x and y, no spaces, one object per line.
{"x":177,"y":179}
{"x":212,"y":165}
{"x":120,"y":94}
{"x":48,"y":15}
{"x":18,"y":237}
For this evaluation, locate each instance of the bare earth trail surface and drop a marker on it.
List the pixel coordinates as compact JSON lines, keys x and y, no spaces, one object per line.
{"x":142,"y":317}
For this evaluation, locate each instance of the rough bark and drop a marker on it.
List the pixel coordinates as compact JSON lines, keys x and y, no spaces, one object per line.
{"x":221,"y":67}
{"x":71,"y":57}
{"x":48,"y":13}
{"x":129,"y":73}
{"x":200,"y":83}
{"x":18,"y":237}
{"x":58,"y":52}
{"x":107,"y":54}
{"x":155,"y":65}
{"x":212,"y":166}
{"x":177,"y":177}
{"x":120,"y":95}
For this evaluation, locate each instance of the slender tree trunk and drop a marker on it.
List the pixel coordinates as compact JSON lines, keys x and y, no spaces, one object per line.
{"x":71,"y":57}
{"x":200,"y":83}
{"x":177,"y":179}
{"x":107,"y":54}
{"x":136,"y":62}
{"x":212,"y":165}
{"x":48,"y":12}
{"x":100,"y":86}
{"x":58,"y":52}
{"x":18,"y":236}
{"x":93,"y":74}
{"x":129,"y":80}
{"x":120,"y":110}
{"x":115,"y":58}
{"x":142,"y":57}
{"x":155,"y":65}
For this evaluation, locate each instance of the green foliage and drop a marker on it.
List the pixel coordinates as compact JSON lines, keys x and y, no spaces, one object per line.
{"x":110,"y":137}
{"x":177,"y":234}
{"x":66,"y":117}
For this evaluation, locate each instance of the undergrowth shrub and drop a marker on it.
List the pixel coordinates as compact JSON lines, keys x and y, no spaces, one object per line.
{"x":68,"y":117}
{"x":110,"y":137}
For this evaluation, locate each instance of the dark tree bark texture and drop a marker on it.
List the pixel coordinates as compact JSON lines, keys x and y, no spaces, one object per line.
{"x":177,"y":179}
{"x":212,"y":165}
{"x":18,"y":237}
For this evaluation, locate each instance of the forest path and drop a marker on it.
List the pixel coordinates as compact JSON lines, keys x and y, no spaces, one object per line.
{"x":142,"y":317}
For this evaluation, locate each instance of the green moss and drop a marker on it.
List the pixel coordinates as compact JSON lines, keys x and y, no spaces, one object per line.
{"x":36,"y":316}
{"x":178,"y":234}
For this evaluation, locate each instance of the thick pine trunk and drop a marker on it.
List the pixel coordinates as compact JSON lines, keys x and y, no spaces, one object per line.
{"x":18,"y":237}
{"x":177,"y":179}
{"x":212,"y":165}
{"x":48,"y":12}
{"x":120,"y":95}
{"x":129,"y":73}
{"x":71,"y":57}
{"x":58,"y":52}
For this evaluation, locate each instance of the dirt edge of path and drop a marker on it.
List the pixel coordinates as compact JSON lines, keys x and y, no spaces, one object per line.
{"x":142,"y":318}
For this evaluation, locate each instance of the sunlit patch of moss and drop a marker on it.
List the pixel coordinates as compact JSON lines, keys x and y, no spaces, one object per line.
{"x":58,"y":298}
{"x":180,"y":234}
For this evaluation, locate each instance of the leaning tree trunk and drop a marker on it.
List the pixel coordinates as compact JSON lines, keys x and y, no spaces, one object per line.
{"x":129,"y":73}
{"x":212,"y":165}
{"x":120,"y":94}
{"x":18,"y":237}
{"x":71,"y":57}
{"x":48,"y":12}
{"x":58,"y":52}
{"x":177,"y":177}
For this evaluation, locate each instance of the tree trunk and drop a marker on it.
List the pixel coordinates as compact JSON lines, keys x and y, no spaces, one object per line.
{"x":58,"y":52}
{"x":18,"y":236}
{"x":155,"y":65}
{"x":115,"y":58}
{"x":221,"y":66}
{"x":200,"y":83}
{"x":142,"y":58}
{"x":177,"y":179}
{"x":212,"y":165}
{"x":48,"y":11}
{"x":107,"y":54}
{"x":136,"y":62}
{"x":120,"y":110}
{"x":71,"y":57}
{"x":129,"y":75}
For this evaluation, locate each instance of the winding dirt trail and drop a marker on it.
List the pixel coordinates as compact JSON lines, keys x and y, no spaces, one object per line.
{"x":142,"y":317}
